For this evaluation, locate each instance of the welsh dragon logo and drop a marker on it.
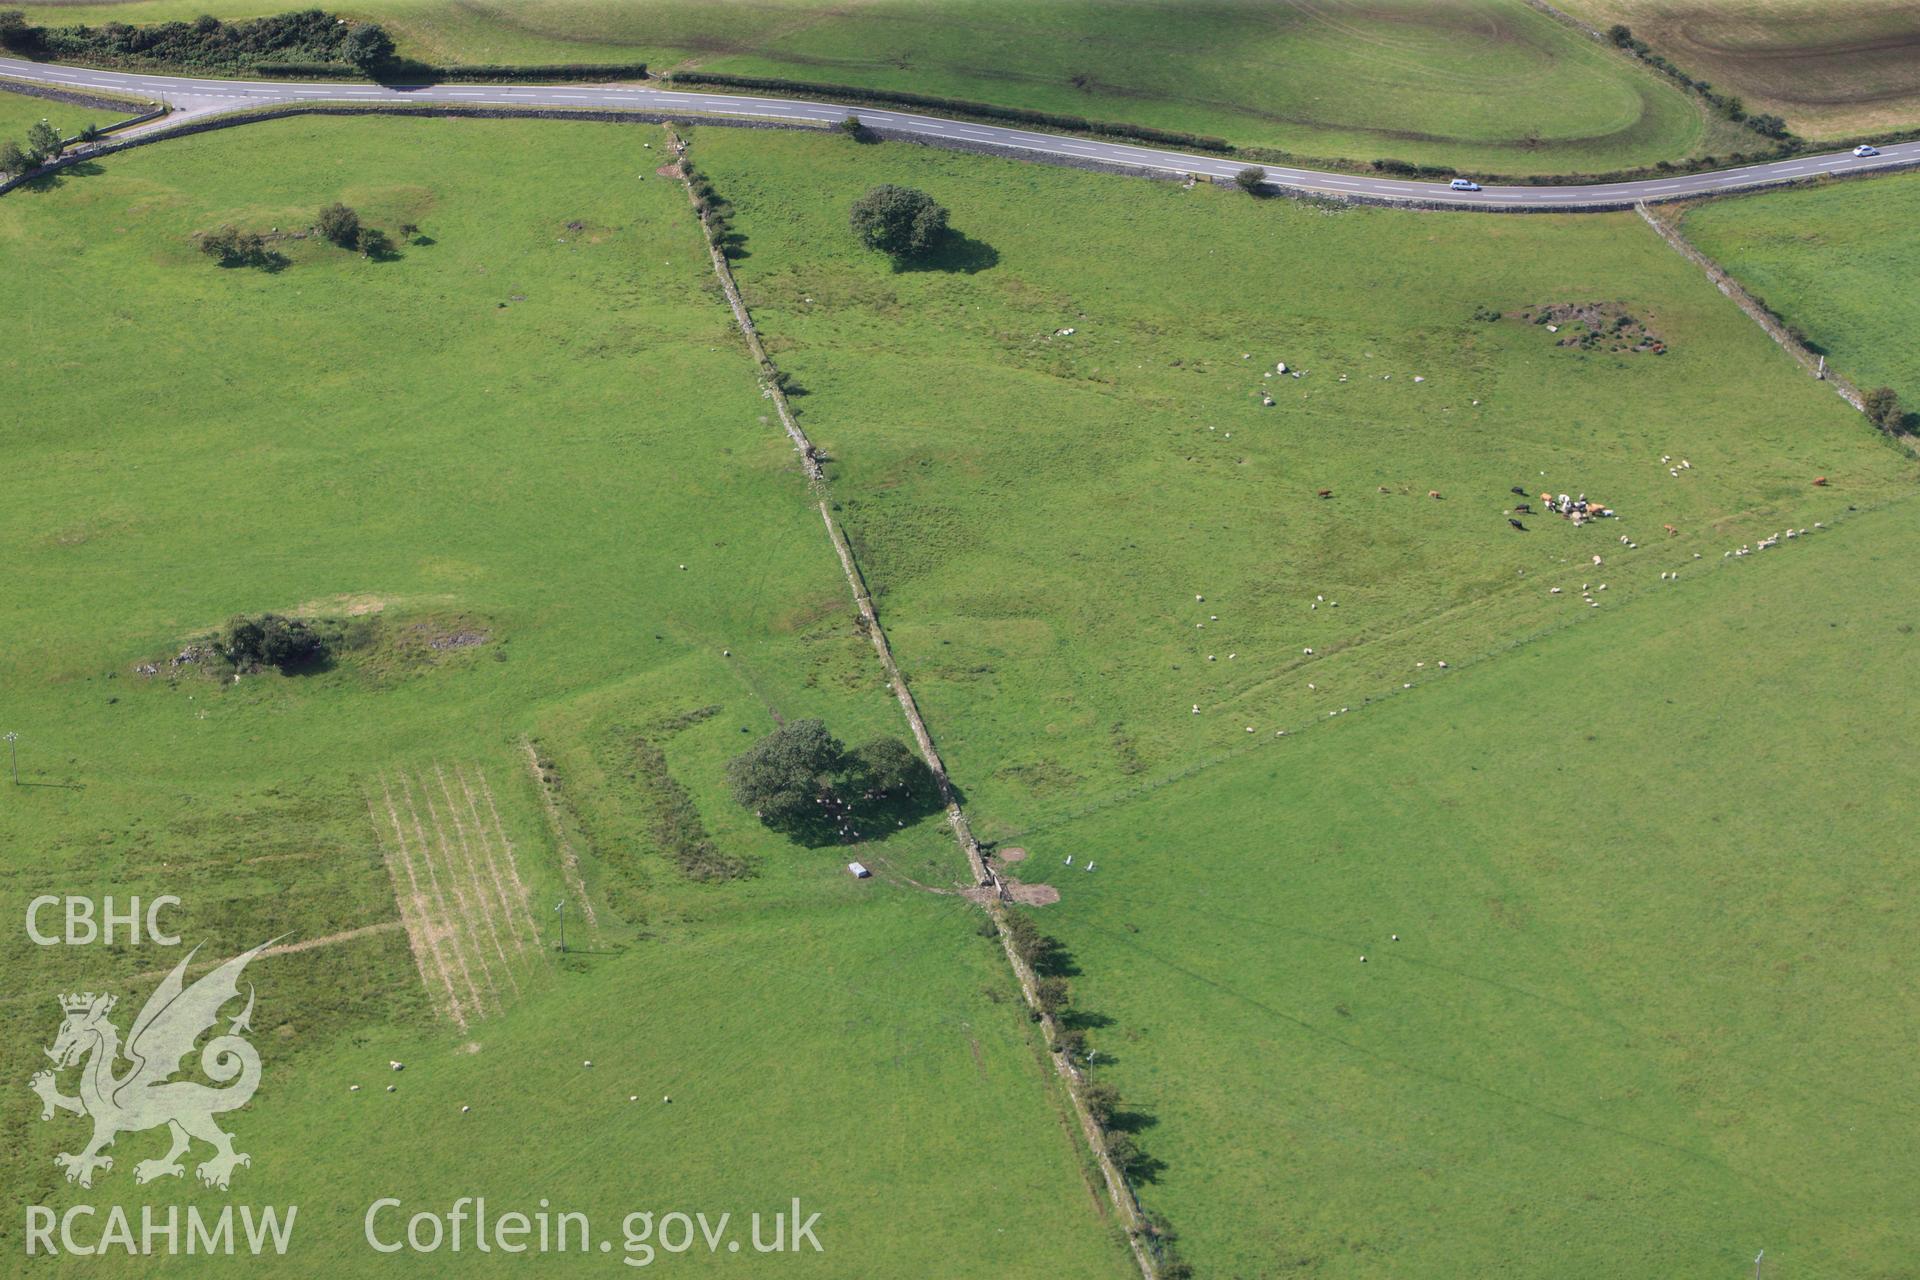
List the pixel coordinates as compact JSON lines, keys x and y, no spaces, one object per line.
{"x":145,"y":1095}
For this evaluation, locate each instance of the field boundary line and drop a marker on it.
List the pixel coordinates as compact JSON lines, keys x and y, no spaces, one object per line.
{"x":1668,"y":229}
{"x":569,"y":856}
{"x":989,"y":893}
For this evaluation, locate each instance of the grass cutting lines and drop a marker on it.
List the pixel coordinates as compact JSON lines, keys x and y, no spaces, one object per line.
{"x":457,"y":886}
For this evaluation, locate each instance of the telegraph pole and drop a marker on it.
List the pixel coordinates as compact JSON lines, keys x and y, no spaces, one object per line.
{"x":13,"y":751}
{"x":1758,"y":1258}
{"x":561,"y":908}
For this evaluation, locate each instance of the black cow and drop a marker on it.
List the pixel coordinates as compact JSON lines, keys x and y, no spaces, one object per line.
{"x":1516,"y":524}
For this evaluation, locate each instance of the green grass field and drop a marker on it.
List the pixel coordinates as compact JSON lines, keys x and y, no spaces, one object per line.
{"x":1833,"y":261}
{"x":1830,"y":68}
{"x":1649,"y":979}
{"x":1078,"y":539}
{"x":20,"y":112}
{"x":534,"y":429}
{"x":1490,"y":84}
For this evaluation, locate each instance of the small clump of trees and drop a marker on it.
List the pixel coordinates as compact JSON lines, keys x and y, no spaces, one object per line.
{"x":899,"y":221}
{"x":340,"y":224}
{"x":44,"y":144}
{"x":231,"y":247}
{"x":1884,"y":410}
{"x":290,"y":645}
{"x":806,"y":783}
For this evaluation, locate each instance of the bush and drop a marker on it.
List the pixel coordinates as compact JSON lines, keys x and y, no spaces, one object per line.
{"x":270,"y":640}
{"x":899,"y":221}
{"x":16,"y":36}
{"x":234,"y":248}
{"x":852,"y":127}
{"x":1103,"y":1101}
{"x":13,"y":160}
{"x":1051,"y":994}
{"x":1252,"y":180}
{"x":367,"y":46}
{"x":340,"y":225}
{"x":1036,"y":948}
{"x":1882,"y":405}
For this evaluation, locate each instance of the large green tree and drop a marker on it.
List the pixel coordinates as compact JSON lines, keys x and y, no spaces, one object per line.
{"x":367,"y":46}
{"x":43,"y":142}
{"x":899,"y":221}
{"x":787,"y":776}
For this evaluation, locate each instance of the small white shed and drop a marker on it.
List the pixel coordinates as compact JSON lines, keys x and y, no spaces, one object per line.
{"x":859,"y":871}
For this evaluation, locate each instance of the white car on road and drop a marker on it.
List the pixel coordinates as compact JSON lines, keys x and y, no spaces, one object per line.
{"x":1864,"y":150}
{"x":1464,"y":184}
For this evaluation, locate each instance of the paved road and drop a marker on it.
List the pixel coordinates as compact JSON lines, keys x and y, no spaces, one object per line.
{"x":195,"y":98}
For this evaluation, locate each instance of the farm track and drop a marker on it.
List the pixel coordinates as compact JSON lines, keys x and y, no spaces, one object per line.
{"x":209,"y":103}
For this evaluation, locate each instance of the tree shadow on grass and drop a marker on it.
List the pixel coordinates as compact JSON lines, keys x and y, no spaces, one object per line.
{"x":58,"y":177}
{"x":269,"y":261}
{"x":958,"y":254}
{"x":1058,"y":962}
{"x":869,"y":820}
